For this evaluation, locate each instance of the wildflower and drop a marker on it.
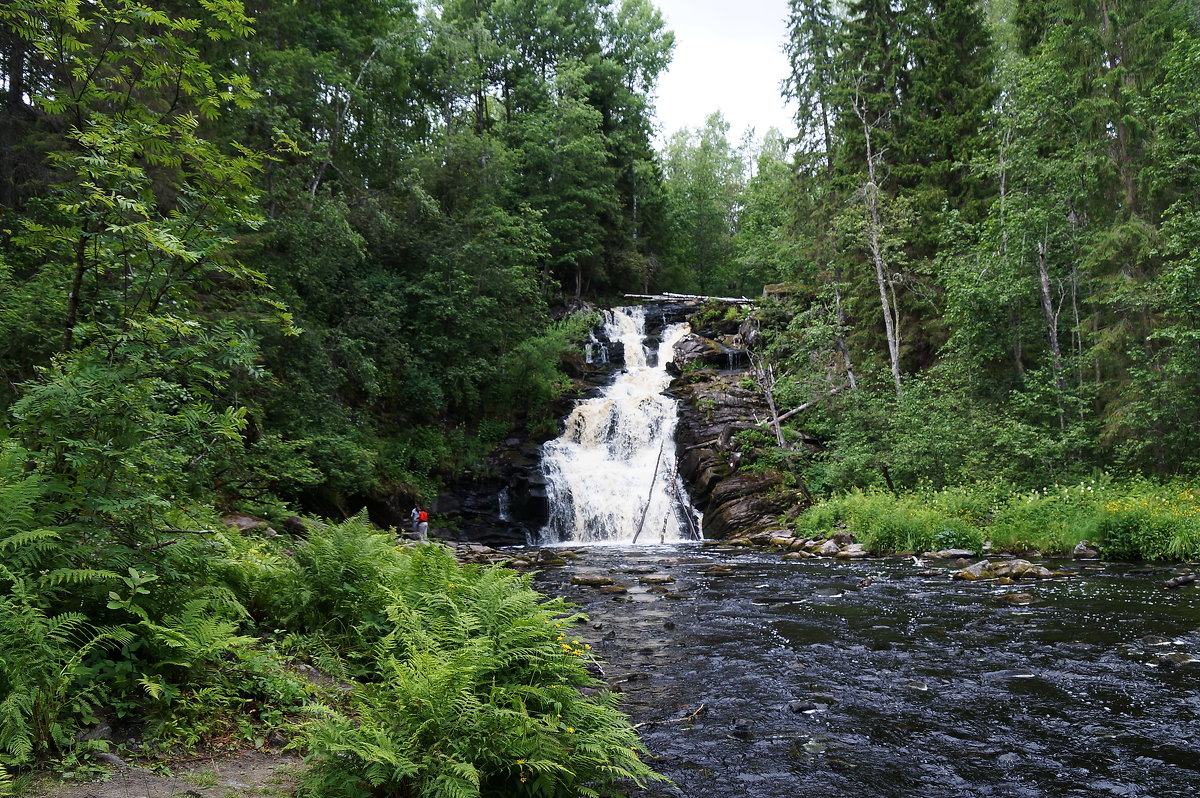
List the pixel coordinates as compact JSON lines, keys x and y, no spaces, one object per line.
{"x":571,"y":729}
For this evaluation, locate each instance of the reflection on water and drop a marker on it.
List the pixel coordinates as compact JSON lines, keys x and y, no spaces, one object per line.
{"x":823,"y":678}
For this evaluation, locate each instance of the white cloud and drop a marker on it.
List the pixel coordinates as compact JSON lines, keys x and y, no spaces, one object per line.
{"x":728,"y":57}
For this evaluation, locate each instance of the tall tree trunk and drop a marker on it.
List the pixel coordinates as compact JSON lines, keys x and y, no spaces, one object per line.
{"x":891,"y":321}
{"x":1122,"y":147}
{"x":840,"y":339}
{"x":1052,"y":329}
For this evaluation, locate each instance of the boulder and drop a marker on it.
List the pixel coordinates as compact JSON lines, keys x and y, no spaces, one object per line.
{"x":693,"y":350}
{"x":798,"y":555}
{"x":1016,"y":599}
{"x":591,"y":580}
{"x":1085,"y":551}
{"x":244,"y":522}
{"x":949,"y":554}
{"x":1177,"y":582}
{"x":1021,"y":569}
{"x":829,"y":548}
{"x":980,"y":570}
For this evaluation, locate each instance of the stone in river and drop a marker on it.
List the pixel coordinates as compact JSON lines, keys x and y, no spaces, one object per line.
{"x":950,"y":554}
{"x":1084,"y":550}
{"x":829,"y":549}
{"x":1018,"y":599}
{"x":720,"y":569}
{"x":1021,"y":569}
{"x":980,"y":570}
{"x":591,"y":580}
{"x":656,"y":579}
{"x":798,"y":555}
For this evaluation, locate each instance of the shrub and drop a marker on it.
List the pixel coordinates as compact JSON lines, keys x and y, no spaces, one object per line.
{"x":1151,"y":523}
{"x":885,"y":522}
{"x":476,"y":692}
{"x":1051,"y":520}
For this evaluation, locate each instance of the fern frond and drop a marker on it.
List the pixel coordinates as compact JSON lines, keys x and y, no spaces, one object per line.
{"x":75,"y":576}
{"x":16,"y":540}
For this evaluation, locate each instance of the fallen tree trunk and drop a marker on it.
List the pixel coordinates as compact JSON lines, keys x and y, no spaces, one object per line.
{"x":670,"y":297}
{"x":785,"y":416}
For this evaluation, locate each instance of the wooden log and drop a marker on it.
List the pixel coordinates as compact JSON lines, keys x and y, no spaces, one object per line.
{"x":785,"y":416}
{"x":668,"y":296}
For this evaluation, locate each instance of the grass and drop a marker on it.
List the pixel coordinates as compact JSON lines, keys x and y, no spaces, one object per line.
{"x":1126,"y":520}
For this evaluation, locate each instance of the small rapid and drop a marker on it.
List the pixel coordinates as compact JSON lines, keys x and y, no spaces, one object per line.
{"x":750,"y":676}
{"x":610,"y":477}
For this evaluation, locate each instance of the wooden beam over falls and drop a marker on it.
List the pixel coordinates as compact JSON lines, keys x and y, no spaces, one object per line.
{"x":670,"y":297}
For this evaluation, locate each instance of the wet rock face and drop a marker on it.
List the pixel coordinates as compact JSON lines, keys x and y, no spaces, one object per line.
{"x":714,"y":406}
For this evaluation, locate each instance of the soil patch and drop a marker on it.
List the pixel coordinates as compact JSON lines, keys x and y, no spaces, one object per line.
{"x":247,"y":773}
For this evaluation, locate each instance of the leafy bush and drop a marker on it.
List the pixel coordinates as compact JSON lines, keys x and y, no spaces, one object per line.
{"x":1050,"y":520}
{"x":335,"y":584}
{"x":39,"y":680}
{"x":884,"y":522}
{"x":477,"y":692}
{"x":1138,"y":520}
{"x":1151,"y":523}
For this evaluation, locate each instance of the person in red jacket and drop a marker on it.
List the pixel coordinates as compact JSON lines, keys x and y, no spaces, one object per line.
{"x":420,"y":523}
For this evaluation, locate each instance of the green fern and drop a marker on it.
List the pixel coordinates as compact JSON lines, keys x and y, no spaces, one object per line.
{"x":475,"y":691}
{"x":40,"y":657}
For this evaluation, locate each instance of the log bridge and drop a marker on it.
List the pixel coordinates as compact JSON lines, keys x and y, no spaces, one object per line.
{"x":667,"y":296}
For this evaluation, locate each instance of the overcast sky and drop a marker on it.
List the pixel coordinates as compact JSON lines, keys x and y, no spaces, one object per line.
{"x":728,"y":56}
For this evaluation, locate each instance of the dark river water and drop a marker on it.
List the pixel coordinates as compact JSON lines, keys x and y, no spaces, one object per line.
{"x":861,"y":679}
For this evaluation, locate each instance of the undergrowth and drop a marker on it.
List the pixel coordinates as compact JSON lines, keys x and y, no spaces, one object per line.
{"x":399,"y":671}
{"x":1129,"y":520}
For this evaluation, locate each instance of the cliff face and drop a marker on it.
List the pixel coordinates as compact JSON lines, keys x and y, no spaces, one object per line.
{"x":716,"y":402}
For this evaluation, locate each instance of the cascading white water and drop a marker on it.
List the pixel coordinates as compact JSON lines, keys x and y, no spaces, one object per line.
{"x":611,"y":476}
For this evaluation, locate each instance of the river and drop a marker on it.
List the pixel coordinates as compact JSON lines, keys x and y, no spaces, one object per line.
{"x":830,"y":678}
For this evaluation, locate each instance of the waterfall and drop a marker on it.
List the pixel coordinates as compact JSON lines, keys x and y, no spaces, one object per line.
{"x":610,"y":477}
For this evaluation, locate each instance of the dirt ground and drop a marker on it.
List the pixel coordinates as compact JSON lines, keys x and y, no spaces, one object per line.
{"x":249,"y":773}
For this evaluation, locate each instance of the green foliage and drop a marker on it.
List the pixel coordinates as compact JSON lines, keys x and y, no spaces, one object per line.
{"x":704,"y":177}
{"x":530,"y":376}
{"x":40,"y":659}
{"x":1131,"y":520}
{"x":335,"y":584}
{"x":1151,"y":523}
{"x":887,"y":523}
{"x":1051,"y":520}
{"x":477,"y":692}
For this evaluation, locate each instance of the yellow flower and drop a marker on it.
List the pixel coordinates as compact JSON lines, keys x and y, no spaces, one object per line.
{"x":571,"y":729}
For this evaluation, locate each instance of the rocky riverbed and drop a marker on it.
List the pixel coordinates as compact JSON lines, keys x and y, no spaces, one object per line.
{"x":751,"y":675}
